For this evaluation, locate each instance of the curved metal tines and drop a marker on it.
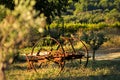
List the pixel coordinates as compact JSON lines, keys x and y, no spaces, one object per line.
{"x":55,"y":51}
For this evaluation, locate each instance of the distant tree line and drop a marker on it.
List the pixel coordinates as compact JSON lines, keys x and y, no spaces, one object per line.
{"x":77,"y":11}
{"x":93,"y":11}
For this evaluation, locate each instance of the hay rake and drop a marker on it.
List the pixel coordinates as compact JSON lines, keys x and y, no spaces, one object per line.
{"x":57,"y":51}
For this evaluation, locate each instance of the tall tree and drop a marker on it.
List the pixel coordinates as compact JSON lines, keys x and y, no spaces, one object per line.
{"x":50,"y":8}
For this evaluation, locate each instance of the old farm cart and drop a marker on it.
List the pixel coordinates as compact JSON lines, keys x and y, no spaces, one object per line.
{"x":57,"y":51}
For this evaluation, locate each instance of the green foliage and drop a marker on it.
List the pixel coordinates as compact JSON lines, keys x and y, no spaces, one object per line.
{"x":113,"y":16}
{"x":15,"y":27}
{"x":82,"y":5}
{"x":76,"y":26}
{"x":3,"y":12}
{"x":7,"y":3}
{"x":97,"y":4}
{"x":115,"y":25}
{"x":50,"y":8}
{"x":85,"y":11}
{"x":94,"y":39}
{"x":95,"y":11}
{"x":71,"y":28}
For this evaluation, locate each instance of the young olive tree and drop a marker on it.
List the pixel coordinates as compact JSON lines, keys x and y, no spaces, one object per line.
{"x":14,"y":29}
{"x":94,"y":39}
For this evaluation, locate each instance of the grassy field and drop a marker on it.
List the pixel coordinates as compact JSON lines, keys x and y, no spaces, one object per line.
{"x":101,"y":70}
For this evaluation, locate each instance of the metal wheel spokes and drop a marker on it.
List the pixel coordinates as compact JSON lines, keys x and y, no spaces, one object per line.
{"x":76,"y":47}
{"x":46,"y":44}
{"x":50,"y":49}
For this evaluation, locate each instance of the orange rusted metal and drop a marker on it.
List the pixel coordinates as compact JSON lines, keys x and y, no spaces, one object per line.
{"x":58,"y":56}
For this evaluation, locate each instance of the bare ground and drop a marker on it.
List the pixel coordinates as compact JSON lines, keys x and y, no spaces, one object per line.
{"x":108,"y":54}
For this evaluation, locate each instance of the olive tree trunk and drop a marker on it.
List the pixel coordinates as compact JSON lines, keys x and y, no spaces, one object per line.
{"x":93,"y":57}
{"x":2,"y":74}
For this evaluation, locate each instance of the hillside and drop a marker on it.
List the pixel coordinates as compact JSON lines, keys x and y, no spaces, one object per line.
{"x":93,"y":11}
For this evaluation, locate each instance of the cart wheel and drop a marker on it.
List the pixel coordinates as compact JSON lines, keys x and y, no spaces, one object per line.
{"x":46,"y":44}
{"x":86,"y":54}
{"x":76,"y":47}
{"x":48,"y":47}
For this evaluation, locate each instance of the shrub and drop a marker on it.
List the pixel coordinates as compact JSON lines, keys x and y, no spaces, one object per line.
{"x":14,"y":30}
{"x":94,"y":39}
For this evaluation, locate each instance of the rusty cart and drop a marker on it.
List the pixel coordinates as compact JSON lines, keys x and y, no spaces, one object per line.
{"x":57,"y":51}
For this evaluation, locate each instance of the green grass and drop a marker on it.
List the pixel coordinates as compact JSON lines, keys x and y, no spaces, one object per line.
{"x":101,"y":70}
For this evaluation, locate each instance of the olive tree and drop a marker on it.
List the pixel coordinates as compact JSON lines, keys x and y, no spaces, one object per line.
{"x":14,"y":29}
{"x":94,"y":39}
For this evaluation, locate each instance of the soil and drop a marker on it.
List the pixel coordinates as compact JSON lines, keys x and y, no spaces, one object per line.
{"x":107,"y":54}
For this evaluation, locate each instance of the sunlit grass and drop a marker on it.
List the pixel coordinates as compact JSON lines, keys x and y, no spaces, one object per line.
{"x":101,"y":70}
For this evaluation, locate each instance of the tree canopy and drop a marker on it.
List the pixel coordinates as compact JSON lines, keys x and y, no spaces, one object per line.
{"x":50,"y":8}
{"x":83,"y":11}
{"x":95,"y":11}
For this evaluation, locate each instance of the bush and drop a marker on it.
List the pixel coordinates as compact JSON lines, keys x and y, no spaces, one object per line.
{"x":94,"y":39}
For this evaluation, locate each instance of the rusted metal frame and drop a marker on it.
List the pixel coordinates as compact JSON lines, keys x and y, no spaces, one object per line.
{"x":36,"y":44}
{"x":60,"y":61}
{"x":51,"y":39}
{"x":69,"y":40}
{"x":63,"y":52}
{"x":72,"y":45}
{"x":32,"y":59}
{"x":58,"y":44}
{"x":62,"y":64}
{"x":30,"y":64}
{"x":63,"y":58}
{"x":87,"y":54}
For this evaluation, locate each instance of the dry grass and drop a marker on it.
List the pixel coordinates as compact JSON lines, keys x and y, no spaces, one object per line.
{"x":101,"y":70}
{"x":105,"y":68}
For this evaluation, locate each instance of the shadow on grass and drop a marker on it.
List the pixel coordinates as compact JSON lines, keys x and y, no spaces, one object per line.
{"x":75,"y":64}
{"x":97,"y":64}
{"x":100,"y":77}
{"x":112,"y":65}
{"x":18,"y":66}
{"x":118,"y":58}
{"x":105,"y":64}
